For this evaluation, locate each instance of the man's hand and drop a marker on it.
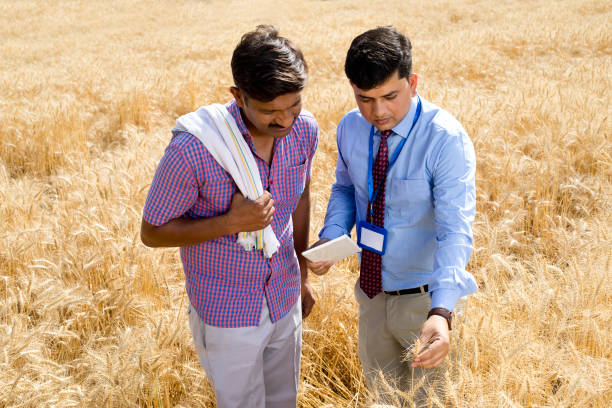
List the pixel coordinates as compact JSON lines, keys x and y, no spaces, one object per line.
{"x":308,"y":300}
{"x":319,"y":268}
{"x":247,"y":215}
{"x":433,"y":343}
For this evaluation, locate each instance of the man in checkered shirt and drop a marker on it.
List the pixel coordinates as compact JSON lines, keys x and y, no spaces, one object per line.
{"x":244,"y":311}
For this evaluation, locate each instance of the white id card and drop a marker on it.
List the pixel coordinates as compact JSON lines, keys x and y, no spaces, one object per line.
{"x":372,"y":237}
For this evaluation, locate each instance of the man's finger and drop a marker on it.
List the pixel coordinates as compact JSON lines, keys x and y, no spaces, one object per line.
{"x":433,"y":362}
{"x":317,"y":270}
{"x":268,"y":216}
{"x":264,"y":198}
{"x":268,"y":203}
{"x":319,"y":266}
{"x":320,"y":270}
{"x":431,"y":355}
{"x":270,"y":210}
{"x":306,"y":307}
{"x":267,"y":209}
{"x":426,"y":344}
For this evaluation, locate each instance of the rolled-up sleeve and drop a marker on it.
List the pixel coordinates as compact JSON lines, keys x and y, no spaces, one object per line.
{"x":454,"y":195}
{"x":340,"y":216}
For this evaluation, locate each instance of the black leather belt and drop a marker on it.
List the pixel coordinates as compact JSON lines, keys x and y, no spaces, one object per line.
{"x":420,"y":289}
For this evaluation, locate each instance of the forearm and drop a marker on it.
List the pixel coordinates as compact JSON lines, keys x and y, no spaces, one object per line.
{"x":450,"y":280}
{"x":340,"y":215}
{"x":185,"y":231}
{"x":301,"y":230}
{"x":341,"y":209}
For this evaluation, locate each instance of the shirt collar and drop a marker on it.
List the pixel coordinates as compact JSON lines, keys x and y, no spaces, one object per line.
{"x":405,"y":124}
{"x":234,"y":110}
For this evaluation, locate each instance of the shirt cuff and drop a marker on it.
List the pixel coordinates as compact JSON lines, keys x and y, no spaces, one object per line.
{"x":332,"y":231}
{"x":446,"y":298}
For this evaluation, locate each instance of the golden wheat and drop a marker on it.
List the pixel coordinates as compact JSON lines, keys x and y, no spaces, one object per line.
{"x":89,"y":91}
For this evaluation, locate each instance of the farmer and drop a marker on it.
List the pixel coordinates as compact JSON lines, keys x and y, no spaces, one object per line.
{"x":243,"y":277}
{"x":405,"y":179}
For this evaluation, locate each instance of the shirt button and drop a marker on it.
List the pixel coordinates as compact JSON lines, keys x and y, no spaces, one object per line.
{"x":271,"y":182}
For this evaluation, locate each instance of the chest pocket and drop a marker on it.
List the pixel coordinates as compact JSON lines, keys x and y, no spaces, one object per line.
{"x":410,"y":200}
{"x":294,"y":178}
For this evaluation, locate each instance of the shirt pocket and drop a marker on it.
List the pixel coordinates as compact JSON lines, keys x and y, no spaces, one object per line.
{"x":409,"y":201}
{"x":293,"y":184}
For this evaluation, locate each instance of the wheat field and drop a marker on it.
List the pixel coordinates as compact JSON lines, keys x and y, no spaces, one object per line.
{"x":89,"y":91}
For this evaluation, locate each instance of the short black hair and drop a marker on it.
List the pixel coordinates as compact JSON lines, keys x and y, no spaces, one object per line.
{"x":375,"y":55}
{"x":266,"y":65}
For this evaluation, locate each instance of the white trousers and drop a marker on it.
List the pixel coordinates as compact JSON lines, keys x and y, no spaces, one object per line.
{"x":254,"y":366}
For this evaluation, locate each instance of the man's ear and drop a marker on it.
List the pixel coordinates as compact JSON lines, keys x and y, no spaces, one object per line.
{"x":412,"y":81}
{"x":237,"y":96}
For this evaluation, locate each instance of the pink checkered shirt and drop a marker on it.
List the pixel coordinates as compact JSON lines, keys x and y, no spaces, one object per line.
{"x":225,"y":283}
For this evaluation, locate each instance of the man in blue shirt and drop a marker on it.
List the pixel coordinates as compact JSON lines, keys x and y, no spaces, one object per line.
{"x":405,"y":180}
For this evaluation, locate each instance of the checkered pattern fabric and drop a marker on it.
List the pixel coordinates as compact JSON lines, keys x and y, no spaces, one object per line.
{"x":225,"y":283}
{"x":370,"y":279}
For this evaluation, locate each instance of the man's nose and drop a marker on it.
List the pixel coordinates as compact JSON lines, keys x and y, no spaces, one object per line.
{"x":378,"y":109}
{"x":284,"y":119}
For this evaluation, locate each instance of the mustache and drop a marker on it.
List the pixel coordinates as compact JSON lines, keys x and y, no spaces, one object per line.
{"x":277,"y":126}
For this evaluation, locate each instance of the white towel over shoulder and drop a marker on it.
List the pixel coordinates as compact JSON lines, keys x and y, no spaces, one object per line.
{"x":217,"y":129}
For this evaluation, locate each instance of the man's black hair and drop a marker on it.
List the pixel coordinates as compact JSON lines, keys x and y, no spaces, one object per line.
{"x":375,"y":55}
{"x":266,"y":65}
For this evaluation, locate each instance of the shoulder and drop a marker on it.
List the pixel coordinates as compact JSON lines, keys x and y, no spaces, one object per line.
{"x":306,"y":133}
{"x":353,"y":124}
{"x":186,"y":149}
{"x":183,"y":140}
{"x":442,"y":123}
{"x":353,"y":118}
{"x":449,"y":139}
{"x":186,"y":143}
{"x":307,"y":124}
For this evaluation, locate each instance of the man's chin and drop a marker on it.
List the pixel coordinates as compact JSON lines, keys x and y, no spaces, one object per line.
{"x":385,"y":124}
{"x":279,"y":133}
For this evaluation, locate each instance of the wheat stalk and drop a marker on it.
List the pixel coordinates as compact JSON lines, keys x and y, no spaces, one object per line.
{"x":89,"y":92}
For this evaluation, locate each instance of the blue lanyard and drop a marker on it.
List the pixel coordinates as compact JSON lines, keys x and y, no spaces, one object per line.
{"x":371,"y":192}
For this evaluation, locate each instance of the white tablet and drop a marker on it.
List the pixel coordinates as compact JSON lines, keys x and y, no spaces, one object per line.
{"x":333,"y":250}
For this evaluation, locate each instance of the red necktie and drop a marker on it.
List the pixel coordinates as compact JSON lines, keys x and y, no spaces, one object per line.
{"x":370,"y":279}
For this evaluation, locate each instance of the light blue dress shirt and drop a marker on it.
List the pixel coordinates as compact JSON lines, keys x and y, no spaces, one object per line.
{"x":429,"y":203}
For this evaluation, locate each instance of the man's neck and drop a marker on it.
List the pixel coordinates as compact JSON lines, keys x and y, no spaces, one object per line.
{"x":264,"y":146}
